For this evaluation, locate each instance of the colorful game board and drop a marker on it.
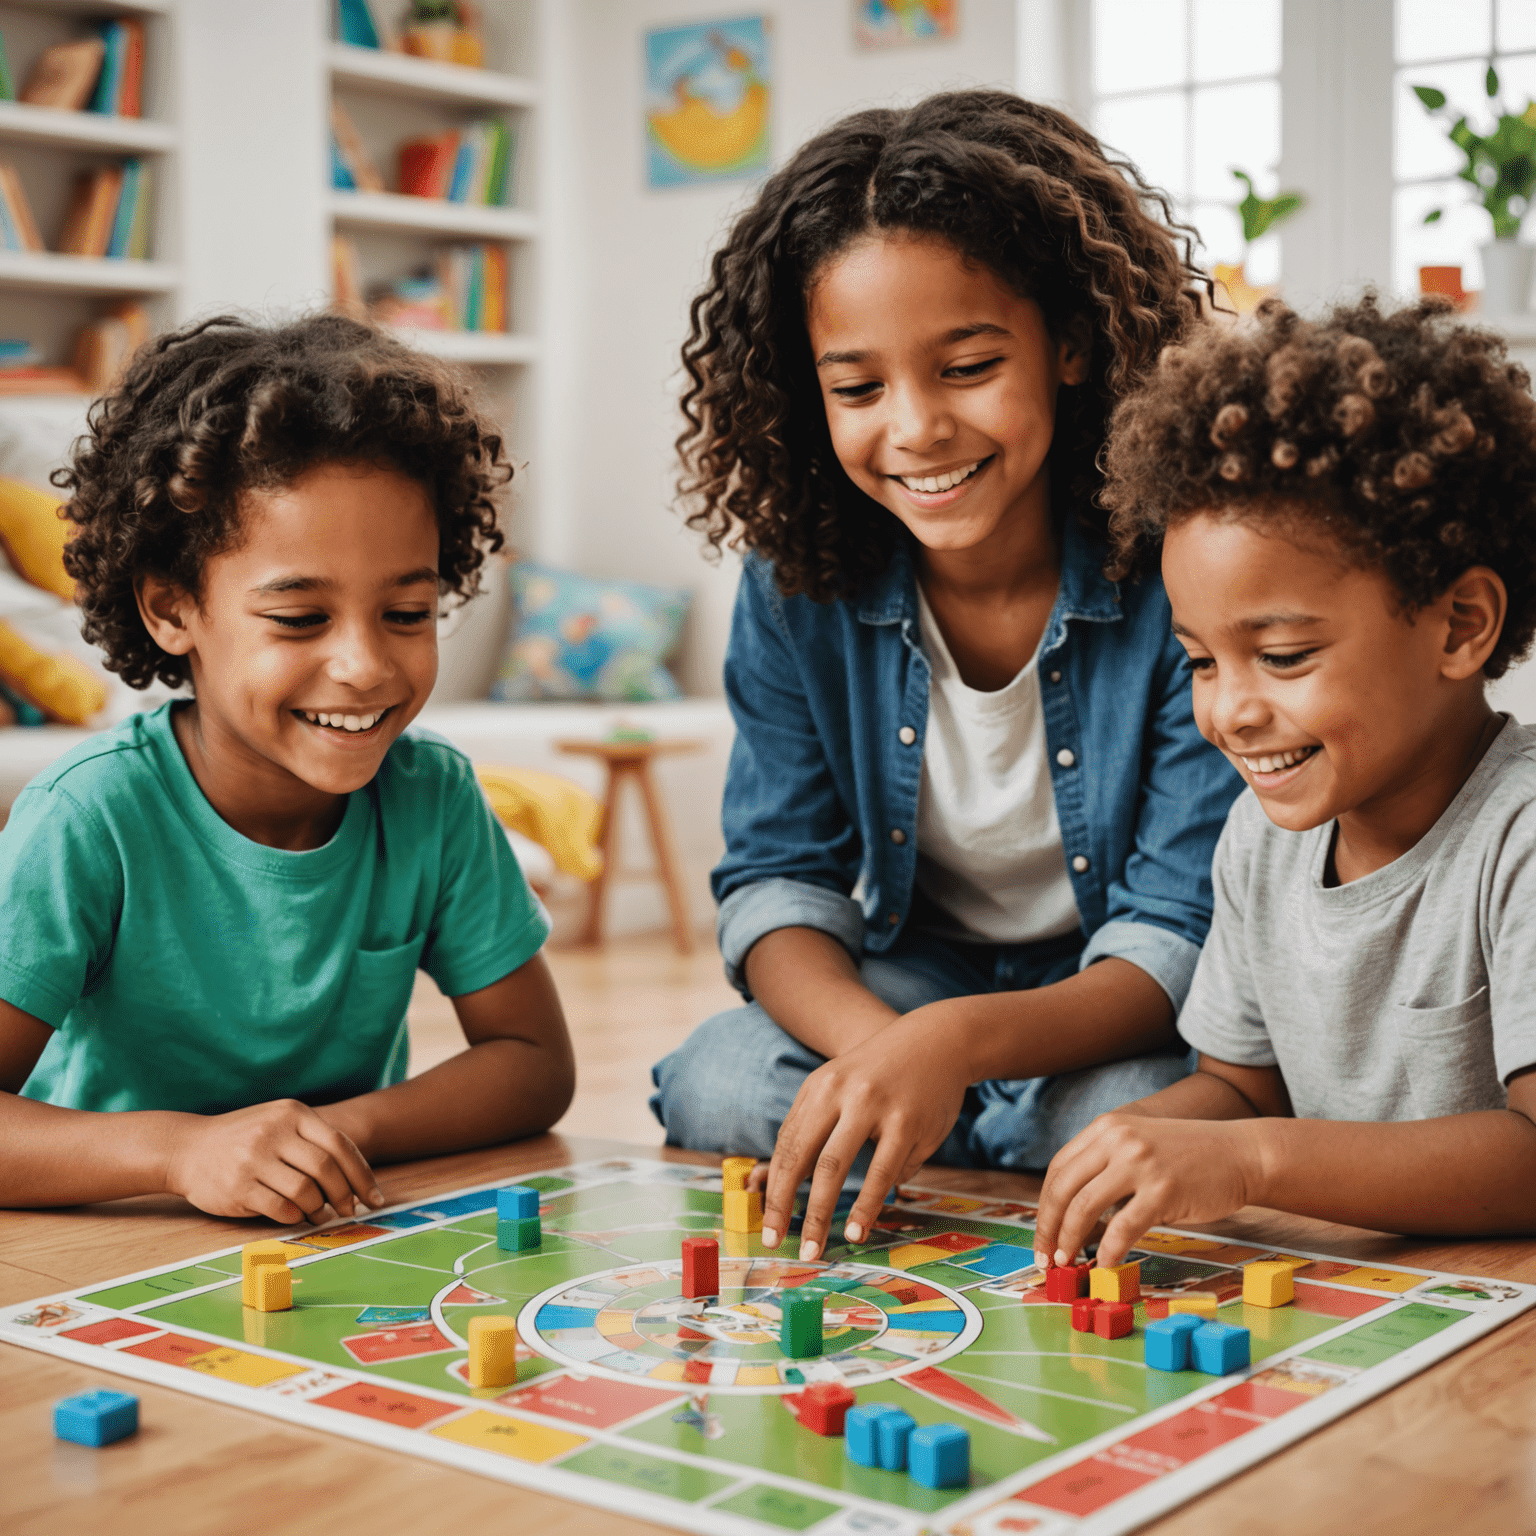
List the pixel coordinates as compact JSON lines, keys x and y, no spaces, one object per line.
{"x":632,"y":1398}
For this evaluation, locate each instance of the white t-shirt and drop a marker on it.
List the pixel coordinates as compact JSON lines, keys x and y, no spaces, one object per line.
{"x":989,"y":848}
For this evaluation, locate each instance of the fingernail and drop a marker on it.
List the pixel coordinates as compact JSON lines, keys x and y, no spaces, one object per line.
{"x":770,"y":1237}
{"x":853,"y":1232}
{"x":1041,"y":1261}
{"x":809,"y":1249}
{"x":376,"y":1195}
{"x":1062,"y":1256}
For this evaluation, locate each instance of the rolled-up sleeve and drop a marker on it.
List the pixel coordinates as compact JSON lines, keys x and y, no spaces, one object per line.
{"x":751,"y":911}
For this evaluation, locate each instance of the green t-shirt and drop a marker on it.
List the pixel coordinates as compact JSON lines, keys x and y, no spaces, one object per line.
{"x":182,"y":966}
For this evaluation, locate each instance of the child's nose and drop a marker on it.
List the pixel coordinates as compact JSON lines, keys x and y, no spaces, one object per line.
{"x":359,"y":657}
{"x":1238,"y":706}
{"x":919,"y":419}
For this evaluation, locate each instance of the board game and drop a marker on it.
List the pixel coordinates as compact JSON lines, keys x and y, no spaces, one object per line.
{"x":632,"y":1397}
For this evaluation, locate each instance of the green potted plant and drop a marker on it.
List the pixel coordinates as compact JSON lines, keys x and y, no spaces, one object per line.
{"x":1501,"y":168}
{"x":1259,"y":216}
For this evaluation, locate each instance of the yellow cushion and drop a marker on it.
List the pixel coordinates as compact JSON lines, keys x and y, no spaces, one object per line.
{"x":550,"y":811}
{"x":33,"y":535}
{"x":63,"y":688}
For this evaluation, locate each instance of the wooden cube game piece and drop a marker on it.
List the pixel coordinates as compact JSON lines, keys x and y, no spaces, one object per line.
{"x":1195,"y":1303}
{"x":800,"y":1324}
{"x":1218,"y":1348}
{"x":1066,"y":1282}
{"x":824,"y":1407}
{"x":492,"y":1351}
{"x":1114,"y":1319}
{"x":860,"y":1428}
{"x":1122,"y":1283}
{"x":516,"y":1203}
{"x":1083,"y":1309}
{"x":939,"y":1456}
{"x":273,"y":1287}
{"x":743,"y":1210}
{"x":734,"y":1171}
{"x":893,"y":1439}
{"x":98,"y":1417}
{"x":521,"y":1234}
{"x":1268,"y":1284}
{"x":701,"y":1267}
{"x":1166,"y":1346}
{"x":254,"y":1256}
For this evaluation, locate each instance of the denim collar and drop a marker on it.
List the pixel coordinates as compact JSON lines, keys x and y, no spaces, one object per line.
{"x":1085,"y":591}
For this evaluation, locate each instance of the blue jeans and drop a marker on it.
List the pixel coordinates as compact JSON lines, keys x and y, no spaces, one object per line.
{"x":728,"y":1087}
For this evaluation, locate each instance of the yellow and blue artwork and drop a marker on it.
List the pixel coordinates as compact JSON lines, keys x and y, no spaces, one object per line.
{"x":708,"y":102}
{"x":893,"y":23}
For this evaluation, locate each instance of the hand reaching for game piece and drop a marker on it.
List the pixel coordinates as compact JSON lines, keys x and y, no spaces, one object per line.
{"x":903,"y":1090}
{"x":280,"y":1159}
{"x":1163,"y":1170}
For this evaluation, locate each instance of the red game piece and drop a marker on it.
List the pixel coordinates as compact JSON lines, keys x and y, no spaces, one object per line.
{"x":701,"y":1267}
{"x":1083,"y":1309}
{"x":1114,"y":1319}
{"x":1066,"y":1282}
{"x":824,"y":1406}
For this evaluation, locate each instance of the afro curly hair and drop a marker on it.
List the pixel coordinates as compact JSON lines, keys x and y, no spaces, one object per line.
{"x":223,"y":407}
{"x":1407,"y":438}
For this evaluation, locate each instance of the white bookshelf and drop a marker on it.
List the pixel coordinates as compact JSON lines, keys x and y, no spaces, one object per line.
{"x":391,"y":210}
{"x":399,"y":74}
{"x":90,"y":276}
{"x":488,"y":349}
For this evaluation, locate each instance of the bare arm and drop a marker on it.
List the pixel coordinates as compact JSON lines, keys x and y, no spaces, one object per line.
{"x":809,"y":986}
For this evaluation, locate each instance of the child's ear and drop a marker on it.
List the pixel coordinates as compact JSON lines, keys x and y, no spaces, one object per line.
{"x":1474,"y":605}
{"x":164,"y":608}
{"x":1073,"y":351}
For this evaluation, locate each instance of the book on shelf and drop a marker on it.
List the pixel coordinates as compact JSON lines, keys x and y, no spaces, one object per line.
{"x":109,"y":213}
{"x":474,"y":166}
{"x":65,"y":75}
{"x":464,"y":290}
{"x":41,"y":381}
{"x":120,"y":84}
{"x":104,"y":347}
{"x":355,"y":24}
{"x":17,"y":352}
{"x":18,"y":229}
{"x":346,"y":276}
{"x":351,"y":164}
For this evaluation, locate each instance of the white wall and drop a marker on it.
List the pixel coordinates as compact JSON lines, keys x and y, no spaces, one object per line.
{"x":625,"y":261}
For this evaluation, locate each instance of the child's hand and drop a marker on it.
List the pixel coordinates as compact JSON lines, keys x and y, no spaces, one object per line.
{"x":1165,"y":1171}
{"x":280,"y":1160}
{"x":903,"y":1089}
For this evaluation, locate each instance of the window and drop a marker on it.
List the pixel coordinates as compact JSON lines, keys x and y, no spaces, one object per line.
{"x":1449,"y":47}
{"x":1188,"y":89}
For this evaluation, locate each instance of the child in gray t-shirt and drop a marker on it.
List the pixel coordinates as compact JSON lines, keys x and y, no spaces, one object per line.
{"x":1346,"y":513}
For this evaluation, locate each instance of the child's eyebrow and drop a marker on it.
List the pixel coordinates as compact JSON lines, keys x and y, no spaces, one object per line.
{"x":948,"y":339}
{"x":422,"y":573}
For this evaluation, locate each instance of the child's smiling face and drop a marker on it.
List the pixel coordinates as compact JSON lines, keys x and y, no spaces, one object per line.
{"x":940,"y":386}
{"x":325,"y":611}
{"x":1328,"y":697}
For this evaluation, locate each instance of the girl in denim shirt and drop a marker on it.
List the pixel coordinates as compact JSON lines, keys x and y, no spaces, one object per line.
{"x":969,"y":819}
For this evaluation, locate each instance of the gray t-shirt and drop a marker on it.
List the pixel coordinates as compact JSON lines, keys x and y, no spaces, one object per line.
{"x":1407,"y":993}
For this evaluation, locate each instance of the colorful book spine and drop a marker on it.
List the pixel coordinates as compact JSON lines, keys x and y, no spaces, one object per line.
{"x":458,"y":186}
{"x":138,"y":233}
{"x":109,"y":82}
{"x":127,"y":208}
{"x":10,"y":236}
{"x":354,"y":24}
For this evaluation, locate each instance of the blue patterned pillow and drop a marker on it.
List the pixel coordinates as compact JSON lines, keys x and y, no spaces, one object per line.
{"x":577,"y":638}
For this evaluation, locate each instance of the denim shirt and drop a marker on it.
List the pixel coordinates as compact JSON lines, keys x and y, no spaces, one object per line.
{"x":831,"y":706}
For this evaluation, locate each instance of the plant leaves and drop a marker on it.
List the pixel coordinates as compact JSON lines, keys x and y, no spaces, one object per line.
{"x":1491,"y":83}
{"x":1433,"y":216}
{"x":1433,"y":100}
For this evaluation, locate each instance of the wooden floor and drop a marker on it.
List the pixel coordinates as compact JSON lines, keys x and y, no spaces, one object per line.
{"x":627,"y":1005}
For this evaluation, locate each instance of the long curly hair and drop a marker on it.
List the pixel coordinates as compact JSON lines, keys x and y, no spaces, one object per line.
{"x":222,"y":407}
{"x":1017,"y":188}
{"x":1407,"y":438}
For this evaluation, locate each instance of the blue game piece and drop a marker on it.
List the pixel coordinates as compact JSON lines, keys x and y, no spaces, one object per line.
{"x":1167,"y":1341}
{"x":516,"y":1202}
{"x":939,"y":1456}
{"x":1219,"y":1348}
{"x":96,"y":1418}
{"x":861,"y":1431}
{"x":893,"y":1436}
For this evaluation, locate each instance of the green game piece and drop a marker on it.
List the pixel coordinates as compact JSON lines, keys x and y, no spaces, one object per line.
{"x":800,"y":1323}
{"x":519,"y":1234}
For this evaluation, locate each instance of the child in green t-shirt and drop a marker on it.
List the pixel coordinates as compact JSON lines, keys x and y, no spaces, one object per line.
{"x":211,"y":917}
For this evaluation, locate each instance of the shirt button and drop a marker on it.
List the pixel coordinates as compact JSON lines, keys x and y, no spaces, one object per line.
{"x":1066,"y":757}
{"x":893,"y":918}
{"x":1055,"y":677}
{"x":1080,"y":863}
{"x":906,"y":735}
{"x":898,"y":836}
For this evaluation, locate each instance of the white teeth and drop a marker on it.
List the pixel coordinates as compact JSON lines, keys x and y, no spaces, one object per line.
{"x":345,"y":722}
{"x":930,"y":484}
{"x":1275,"y":761}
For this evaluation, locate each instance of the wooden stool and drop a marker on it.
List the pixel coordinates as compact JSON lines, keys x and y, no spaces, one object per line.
{"x":632,"y":760}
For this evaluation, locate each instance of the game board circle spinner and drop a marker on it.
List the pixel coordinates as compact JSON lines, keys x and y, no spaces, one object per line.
{"x":633,"y":1324}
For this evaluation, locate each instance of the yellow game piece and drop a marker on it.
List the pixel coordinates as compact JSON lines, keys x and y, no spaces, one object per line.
{"x":1122,"y":1283}
{"x":1199,"y":1303}
{"x":734,"y":1171}
{"x":743,"y":1210}
{"x":254,"y":1256}
{"x":492,"y":1351}
{"x":1268,"y":1284}
{"x":272,"y":1285}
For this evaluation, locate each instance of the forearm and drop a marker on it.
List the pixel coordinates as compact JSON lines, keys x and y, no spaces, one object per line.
{"x":495,"y":1091}
{"x":809,"y":986}
{"x":1458,"y":1175}
{"x":56,"y":1156}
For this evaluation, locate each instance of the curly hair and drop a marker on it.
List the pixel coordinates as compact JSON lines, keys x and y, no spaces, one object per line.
{"x":1016,"y":188}
{"x":222,"y":407}
{"x":1407,"y":438}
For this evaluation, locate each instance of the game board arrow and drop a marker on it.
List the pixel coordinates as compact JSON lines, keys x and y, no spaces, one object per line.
{"x":940,"y":1387}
